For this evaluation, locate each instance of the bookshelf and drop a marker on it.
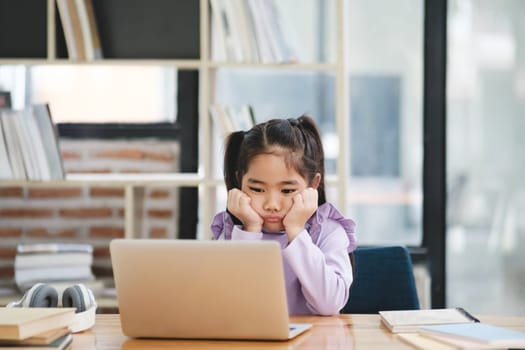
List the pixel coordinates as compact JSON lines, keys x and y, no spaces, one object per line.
{"x":127,"y":29}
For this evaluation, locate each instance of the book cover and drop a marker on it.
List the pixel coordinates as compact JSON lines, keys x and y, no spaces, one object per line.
{"x":476,"y":332}
{"x":50,"y":140}
{"x":408,"y":320}
{"x":23,"y":322}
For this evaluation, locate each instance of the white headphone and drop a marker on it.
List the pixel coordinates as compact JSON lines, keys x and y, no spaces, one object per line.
{"x":77,"y":296}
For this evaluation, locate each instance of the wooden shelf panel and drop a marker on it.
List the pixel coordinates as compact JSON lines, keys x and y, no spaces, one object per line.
{"x":180,"y":64}
{"x":285,"y":66}
{"x":114,"y":180}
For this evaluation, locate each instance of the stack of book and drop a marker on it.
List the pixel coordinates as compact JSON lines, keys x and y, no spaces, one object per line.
{"x":230,"y":120}
{"x":249,"y":31}
{"x":36,"y":328}
{"x":449,"y":329}
{"x":58,"y":264}
{"x":29,"y":146}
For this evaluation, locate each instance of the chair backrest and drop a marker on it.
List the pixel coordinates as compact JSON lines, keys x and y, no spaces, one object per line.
{"x":383,"y":280}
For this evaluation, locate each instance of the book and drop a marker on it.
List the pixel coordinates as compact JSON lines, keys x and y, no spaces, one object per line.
{"x":94,"y":34}
{"x":422,"y":342}
{"x":5,"y":167}
{"x":24,"y":261}
{"x":46,"y":274}
{"x":85,"y":29}
{"x":25,"y":145}
{"x":67,"y":26}
{"x":53,"y":248}
{"x":478,"y":332}
{"x":19,"y":323}
{"x":62,"y":343}
{"x":398,"y":321}
{"x":35,"y":143}
{"x":46,"y":337}
{"x":77,"y":29}
{"x":13,"y":144}
{"x":50,"y":140}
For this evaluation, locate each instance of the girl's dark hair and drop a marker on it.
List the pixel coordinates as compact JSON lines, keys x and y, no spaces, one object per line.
{"x":297,"y":139}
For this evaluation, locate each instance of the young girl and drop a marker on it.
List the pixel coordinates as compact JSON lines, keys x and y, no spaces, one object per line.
{"x":274,"y":174}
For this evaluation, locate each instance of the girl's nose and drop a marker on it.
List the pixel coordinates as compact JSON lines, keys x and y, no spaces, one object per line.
{"x":271,"y":203}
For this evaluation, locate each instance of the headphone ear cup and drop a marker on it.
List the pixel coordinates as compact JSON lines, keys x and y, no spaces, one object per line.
{"x":79,"y":297}
{"x":40,"y":295}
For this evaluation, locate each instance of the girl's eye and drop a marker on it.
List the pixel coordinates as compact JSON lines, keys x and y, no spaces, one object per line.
{"x":255,"y":189}
{"x":288,"y":190}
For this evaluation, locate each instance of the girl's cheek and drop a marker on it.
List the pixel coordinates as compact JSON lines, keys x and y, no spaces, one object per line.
{"x":256,"y":203}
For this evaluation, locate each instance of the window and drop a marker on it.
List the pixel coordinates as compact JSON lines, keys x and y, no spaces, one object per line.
{"x":96,"y":93}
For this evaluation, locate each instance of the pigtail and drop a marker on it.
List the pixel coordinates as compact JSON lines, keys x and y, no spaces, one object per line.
{"x":314,"y":150}
{"x":231,"y":160}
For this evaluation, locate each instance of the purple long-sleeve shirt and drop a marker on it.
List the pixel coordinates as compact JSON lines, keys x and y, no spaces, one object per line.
{"x":317,"y":269}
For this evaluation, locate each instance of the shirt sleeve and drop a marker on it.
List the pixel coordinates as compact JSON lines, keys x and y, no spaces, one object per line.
{"x":239,"y":234}
{"x":324,"y":270}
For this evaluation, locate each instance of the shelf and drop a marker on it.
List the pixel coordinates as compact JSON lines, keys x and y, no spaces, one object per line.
{"x":180,"y":64}
{"x":171,"y":34}
{"x":283,"y":66}
{"x":114,"y":180}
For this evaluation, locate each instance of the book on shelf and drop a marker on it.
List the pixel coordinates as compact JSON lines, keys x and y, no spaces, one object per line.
{"x":53,"y":263}
{"x":88,"y":27}
{"x":67,"y":26}
{"x":6,"y":173}
{"x":30,"y":140}
{"x":50,"y":140}
{"x":77,"y":29}
{"x":12,"y":144}
{"x":218,"y":35}
{"x":17,"y":323}
{"x":80,"y":29}
{"x":93,"y":31}
{"x":46,"y":274}
{"x":249,"y":31}
{"x":54,"y":248}
{"x":24,"y":261}
{"x":398,"y":321}
{"x":229,"y":119}
{"x":476,"y":333}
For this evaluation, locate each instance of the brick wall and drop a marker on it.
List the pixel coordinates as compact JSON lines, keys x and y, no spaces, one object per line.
{"x":89,"y":214}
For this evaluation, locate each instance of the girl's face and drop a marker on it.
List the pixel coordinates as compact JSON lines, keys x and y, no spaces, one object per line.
{"x":271,"y":186}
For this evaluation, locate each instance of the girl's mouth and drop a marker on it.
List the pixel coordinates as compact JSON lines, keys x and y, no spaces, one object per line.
{"x":272,"y":219}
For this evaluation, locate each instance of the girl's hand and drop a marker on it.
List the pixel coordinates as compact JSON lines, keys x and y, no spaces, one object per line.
{"x":239,"y":204}
{"x":303,"y":207}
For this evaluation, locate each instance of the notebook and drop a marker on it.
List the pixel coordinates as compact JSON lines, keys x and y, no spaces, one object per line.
{"x":201,"y":289}
{"x":398,"y":321}
{"x":480,"y":333}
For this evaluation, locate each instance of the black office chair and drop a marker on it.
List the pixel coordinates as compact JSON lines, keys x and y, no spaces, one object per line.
{"x":383,"y":280}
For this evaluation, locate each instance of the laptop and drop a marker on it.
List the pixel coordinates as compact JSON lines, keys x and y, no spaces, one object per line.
{"x":201,"y":289}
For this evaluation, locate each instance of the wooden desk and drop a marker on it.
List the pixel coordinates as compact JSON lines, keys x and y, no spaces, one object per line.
{"x":338,"y":332}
